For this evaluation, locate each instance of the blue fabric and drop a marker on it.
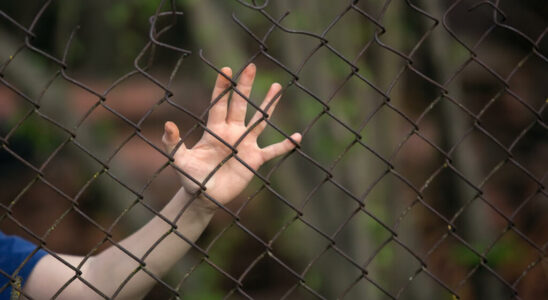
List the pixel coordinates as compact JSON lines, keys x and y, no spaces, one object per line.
{"x":13,"y":252}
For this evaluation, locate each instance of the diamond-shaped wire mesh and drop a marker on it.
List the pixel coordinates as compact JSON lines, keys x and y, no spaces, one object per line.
{"x":421,"y":173}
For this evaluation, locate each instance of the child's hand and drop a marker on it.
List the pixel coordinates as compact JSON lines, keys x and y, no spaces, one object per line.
{"x":228,"y":123}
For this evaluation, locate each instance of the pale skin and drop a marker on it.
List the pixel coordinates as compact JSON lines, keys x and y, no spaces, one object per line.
{"x":108,"y":269}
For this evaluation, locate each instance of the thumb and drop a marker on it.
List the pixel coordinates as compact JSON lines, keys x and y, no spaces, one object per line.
{"x":171,"y":137}
{"x":282,"y":147}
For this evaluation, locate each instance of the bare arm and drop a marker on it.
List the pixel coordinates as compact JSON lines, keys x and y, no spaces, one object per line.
{"x":108,"y":270}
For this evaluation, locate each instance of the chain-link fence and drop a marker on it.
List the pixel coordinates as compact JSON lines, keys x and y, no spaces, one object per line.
{"x":422,"y":168}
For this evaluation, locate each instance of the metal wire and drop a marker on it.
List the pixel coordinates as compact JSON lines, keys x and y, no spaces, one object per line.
{"x":448,"y":223}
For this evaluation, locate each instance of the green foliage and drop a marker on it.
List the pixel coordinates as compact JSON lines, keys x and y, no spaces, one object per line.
{"x":188,"y":2}
{"x":41,"y":135}
{"x":204,"y":284}
{"x":314,"y":279}
{"x":464,"y":257}
{"x":103,"y":131}
{"x":505,"y":251}
{"x":117,"y":15}
{"x":386,"y":256}
{"x":205,"y":294}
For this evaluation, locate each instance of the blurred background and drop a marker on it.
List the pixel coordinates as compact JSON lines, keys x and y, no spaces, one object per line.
{"x":449,"y":151}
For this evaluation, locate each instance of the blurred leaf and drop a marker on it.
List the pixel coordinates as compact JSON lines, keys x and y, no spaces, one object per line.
{"x":385,"y":257}
{"x":504,"y":251}
{"x":42,"y":137}
{"x":464,"y":257}
{"x":104,"y":131}
{"x":117,"y":15}
{"x":314,"y":279}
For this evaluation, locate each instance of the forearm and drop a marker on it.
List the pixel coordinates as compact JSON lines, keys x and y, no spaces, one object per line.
{"x":108,"y":270}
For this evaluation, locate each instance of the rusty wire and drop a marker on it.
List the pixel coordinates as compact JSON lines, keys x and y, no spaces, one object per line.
{"x":141,"y":66}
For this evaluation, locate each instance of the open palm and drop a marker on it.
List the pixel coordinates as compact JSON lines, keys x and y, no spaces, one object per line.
{"x":227,"y":122}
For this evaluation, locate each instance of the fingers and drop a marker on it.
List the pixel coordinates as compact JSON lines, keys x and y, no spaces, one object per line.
{"x":238,"y":104}
{"x":217,"y":113}
{"x":275,"y":88}
{"x":171,"y":137}
{"x":280,"y":148}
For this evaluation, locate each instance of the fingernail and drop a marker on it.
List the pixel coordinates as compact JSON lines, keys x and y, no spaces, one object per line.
{"x":250,"y":70}
{"x":297,"y":137}
{"x":227,"y":71}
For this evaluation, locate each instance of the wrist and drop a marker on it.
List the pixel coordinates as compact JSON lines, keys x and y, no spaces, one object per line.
{"x":202,"y":203}
{"x":197,"y":196}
